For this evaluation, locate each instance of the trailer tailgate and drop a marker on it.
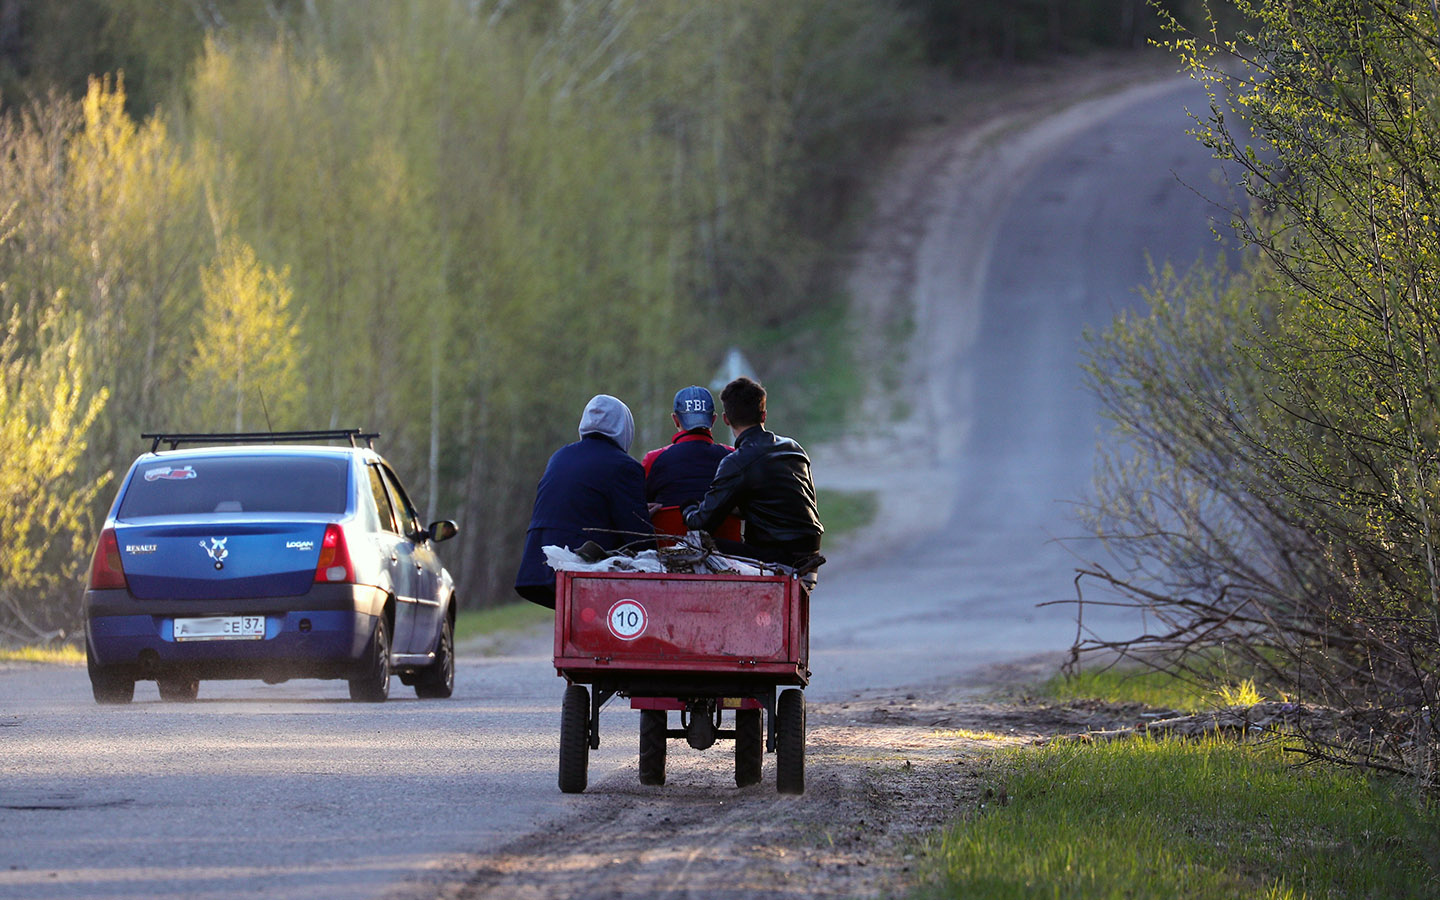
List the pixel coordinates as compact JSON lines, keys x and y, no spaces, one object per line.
{"x":642,"y":622}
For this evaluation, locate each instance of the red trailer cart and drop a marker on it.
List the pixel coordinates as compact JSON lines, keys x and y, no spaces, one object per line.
{"x":695,"y":644}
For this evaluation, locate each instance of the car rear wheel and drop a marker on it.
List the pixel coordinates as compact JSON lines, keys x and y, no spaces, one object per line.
{"x":374,"y":685}
{"x":108,"y":687}
{"x":437,"y":681}
{"x":178,"y":689}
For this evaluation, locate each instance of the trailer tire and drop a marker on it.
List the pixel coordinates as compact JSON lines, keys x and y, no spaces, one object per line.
{"x":653,"y":724}
{"x":749,"y":747}
{"x":574,"y":739}
{"x":790,"y":742}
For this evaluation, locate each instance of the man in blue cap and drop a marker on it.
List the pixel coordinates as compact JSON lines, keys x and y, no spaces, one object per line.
{"x":679,"y":473}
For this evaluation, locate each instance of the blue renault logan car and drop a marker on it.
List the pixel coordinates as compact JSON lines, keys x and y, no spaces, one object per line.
{"x":263,"y":559}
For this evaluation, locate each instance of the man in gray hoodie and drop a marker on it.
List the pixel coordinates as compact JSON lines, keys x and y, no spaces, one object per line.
{"x":592,"y":490}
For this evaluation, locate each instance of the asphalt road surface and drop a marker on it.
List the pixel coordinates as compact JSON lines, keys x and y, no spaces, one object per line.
{"x":287,"y":791}
{"x":293,"y":792}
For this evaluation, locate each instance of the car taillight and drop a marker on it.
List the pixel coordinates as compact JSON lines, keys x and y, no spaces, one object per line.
{"x":105,"y":569}
{"x":334,"y":566}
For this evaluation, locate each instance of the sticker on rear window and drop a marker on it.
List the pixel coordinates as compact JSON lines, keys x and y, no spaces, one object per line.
{"x":168,"y":473}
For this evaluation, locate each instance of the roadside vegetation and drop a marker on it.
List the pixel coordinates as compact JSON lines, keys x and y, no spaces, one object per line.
{"x":1207,"y":817}
{"x":62,"y":654}
{"x":498,"y":620}
{"x":1197,"y":819}
{"x":846,"y":511}
{"x":1271,"y":503}
{"x":1273,"y":490}
{"x":1147,"y":686}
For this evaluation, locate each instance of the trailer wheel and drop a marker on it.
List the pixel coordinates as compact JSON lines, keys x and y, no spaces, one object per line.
{"x":749,"y":747}
{"x":790,"y":742}
{"x":574,"y":739}
{"x":652,"y":746}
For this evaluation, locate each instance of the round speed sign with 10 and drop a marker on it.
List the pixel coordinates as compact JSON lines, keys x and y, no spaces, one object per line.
{"x":627,"y":620}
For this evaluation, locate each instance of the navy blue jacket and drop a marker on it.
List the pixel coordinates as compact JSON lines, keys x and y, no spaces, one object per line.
{"x":591,"y":483}
{"x":680,"y":472}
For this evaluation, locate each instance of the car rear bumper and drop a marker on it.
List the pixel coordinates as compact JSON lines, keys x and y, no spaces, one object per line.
{"x":324,"y":634}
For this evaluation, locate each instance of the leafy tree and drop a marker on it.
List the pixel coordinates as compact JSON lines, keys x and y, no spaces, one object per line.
{"x":1286,"y":424}
{"x":62,"y":44}
{"x":45,"y":499}
{"x":32,"y":179}
{"x":247,"y":350}
{"x":134,"y":238}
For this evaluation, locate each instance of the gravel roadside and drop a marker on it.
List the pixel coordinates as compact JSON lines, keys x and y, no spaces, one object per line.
{"x":882,"y":773}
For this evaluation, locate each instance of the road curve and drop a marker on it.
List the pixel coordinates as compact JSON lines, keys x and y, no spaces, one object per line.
{"x":1033,"y":237}
{"x":1029,"y":233}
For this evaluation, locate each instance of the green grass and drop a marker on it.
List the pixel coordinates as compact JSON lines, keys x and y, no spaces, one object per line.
{"x":844,"y":511}
{"x":813,"y":379}
{"x":1130,"y":684}
{"x":1120,"y":685}
{"x":64,"y":654}
{"x":471,"y":623}
{"x":1193,"y":819}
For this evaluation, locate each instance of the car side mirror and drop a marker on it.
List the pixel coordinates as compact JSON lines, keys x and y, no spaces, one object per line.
{"x":442,"y":530}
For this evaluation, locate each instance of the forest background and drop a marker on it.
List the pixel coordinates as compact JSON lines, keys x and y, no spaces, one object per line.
{"x":450,"y":221}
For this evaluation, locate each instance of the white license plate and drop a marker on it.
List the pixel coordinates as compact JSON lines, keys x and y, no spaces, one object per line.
{"x":221,"y":628}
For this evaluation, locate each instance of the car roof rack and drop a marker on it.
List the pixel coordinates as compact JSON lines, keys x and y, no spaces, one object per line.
{"x":354,"y":435}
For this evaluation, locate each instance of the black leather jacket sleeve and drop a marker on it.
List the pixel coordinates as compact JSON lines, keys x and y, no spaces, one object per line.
{"x":721,"y":499}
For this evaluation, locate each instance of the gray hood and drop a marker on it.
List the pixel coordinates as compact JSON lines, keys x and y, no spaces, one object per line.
{"x":608,"y":416}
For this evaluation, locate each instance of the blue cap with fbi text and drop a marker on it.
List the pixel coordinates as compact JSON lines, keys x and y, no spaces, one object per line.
{"x":694,"y":407}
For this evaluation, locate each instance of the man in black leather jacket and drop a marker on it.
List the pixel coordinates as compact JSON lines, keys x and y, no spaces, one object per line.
{"x":766,"y":480}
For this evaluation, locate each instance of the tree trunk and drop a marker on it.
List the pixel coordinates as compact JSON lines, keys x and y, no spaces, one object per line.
{"x":434,"y":459}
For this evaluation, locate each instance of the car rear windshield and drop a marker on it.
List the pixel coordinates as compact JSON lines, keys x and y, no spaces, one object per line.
{"x":239,"y":484}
